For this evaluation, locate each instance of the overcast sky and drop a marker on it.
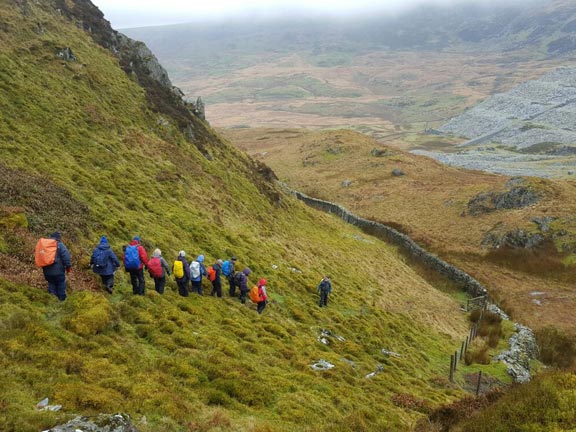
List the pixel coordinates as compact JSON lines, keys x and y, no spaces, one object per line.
{"x":140,"y":13}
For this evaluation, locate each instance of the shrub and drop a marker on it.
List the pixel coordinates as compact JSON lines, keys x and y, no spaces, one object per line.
{"x":90,"y":314}
{"x":477,"y":353}
{"x":556,"y":347}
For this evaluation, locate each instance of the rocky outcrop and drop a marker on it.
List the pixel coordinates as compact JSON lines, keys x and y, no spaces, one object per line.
{"x":517,"y":239}
{"x":100,"y":423}
{"x":516,"y":198}
{"x":468,"y":283}
{"x":136,"y":59}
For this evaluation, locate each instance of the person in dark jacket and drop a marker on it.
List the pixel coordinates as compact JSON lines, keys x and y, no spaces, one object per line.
{"x":217,"y":283}
{"x":241,"y":281}
{"x":182,"y":282}
{"x":160,"y":281}
{"x":137,"y":275}
{"x":198,"y":267}
{"x":229,"y":266}
{"x":55,"y":274}
{"x":324,"y":288}
{"x":104,"y":262}
{"x":262,"y":295}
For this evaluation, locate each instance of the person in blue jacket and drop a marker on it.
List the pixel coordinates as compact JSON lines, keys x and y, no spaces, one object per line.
{"x":104,"y":262}
{"x":197,"y":271}
{"x":55,"y":274}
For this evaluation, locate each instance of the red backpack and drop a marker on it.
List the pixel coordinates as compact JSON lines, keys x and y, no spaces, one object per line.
{"x":155,"y":267}
{"x":211,"y":273}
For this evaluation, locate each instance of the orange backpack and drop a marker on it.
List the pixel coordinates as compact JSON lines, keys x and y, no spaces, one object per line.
{"x":45,"y":252}
{"x":255,"y":294}
{"x":211,"y":273}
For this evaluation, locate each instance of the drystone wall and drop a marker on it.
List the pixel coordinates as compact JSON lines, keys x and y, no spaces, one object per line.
{"x":384,"y":232}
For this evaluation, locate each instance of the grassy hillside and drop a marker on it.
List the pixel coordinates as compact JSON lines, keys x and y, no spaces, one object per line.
{"x":84,"y":152}
{"x":431,"y":203}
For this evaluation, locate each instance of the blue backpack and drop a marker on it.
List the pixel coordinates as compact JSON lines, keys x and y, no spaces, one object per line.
{"x":132,"y":258}
{"x":226,"y":268}
{"x":99,"y":259}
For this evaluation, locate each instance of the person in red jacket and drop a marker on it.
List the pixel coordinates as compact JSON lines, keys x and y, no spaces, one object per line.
{"x":135,"y":265}
{"x":262,"y":294}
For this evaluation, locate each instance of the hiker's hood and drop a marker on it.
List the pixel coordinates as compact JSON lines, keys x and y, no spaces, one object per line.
{"x":200,"y":258}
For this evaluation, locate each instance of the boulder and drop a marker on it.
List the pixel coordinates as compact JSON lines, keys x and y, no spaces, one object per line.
{"x":99,"y":423}
{"x":397,"y":172}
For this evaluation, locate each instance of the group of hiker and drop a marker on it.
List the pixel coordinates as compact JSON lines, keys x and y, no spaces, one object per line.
{"x":54,"y":258}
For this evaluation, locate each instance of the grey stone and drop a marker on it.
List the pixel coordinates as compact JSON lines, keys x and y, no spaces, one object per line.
{"x":66,"y":54}
{"x":380,"y":152}
{"x":543,"y":222}
{"x":397,"y":172}
{"x":346,"y":183}
{"x":322,"y":365}
{"x":100,"y":423}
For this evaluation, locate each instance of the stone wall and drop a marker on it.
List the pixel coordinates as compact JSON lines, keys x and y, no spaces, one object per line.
{"x":383,"y":232}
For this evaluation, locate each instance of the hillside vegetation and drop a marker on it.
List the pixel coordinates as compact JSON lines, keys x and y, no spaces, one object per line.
{"x":89,"y":148}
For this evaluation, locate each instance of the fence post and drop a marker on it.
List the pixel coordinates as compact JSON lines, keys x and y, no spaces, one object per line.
{"x":455,"y":359}
{"x":451,"y":368}
{"x":462,"y":351}
{"x":478,"y":385}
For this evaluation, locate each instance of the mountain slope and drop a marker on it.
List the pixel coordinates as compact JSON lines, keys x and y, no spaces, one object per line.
{"x":94,"y":144}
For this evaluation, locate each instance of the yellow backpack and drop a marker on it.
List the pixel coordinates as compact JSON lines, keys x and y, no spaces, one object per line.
{"x":178,"y":269}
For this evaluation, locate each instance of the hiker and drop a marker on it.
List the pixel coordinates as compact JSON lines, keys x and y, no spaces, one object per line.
{"x":56,"y":267}
{"x":241,"y":281}
{"x":181,"y":273}
{"x":214,"y":273}
{"x":324,"y":288}
{"x":158,"y":269}
{"x":197,"y":271}
{"x":135,"y":258}
{"x":104,"y":262}
{"x":262,"y":295}
{"x":228,"y":271}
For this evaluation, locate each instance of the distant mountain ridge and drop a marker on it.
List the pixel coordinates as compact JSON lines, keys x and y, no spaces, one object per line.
{"x":545,"y":26}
